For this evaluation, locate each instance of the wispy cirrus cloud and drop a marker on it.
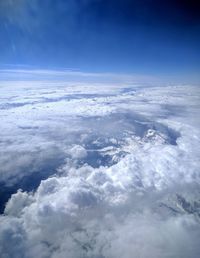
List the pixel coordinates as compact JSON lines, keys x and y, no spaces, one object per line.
{"x":76,"y":75}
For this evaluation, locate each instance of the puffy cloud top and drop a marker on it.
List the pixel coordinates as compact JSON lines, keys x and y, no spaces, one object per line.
{"x":117,"y":172}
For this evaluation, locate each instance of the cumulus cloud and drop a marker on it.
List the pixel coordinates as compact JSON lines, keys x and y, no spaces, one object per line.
{"x":78,"y":152}
{"x":69,"y":216}
{"x":122,"y":171}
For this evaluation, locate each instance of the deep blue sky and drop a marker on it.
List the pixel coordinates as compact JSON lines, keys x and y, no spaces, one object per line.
{"x":159,"y":37}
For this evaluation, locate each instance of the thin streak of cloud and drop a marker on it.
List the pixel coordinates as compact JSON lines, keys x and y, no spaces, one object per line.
{"x":68,"y":75}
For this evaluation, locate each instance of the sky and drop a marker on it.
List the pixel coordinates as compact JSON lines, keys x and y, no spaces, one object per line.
{"x":93,"y":163}
{"x":150,"y":37}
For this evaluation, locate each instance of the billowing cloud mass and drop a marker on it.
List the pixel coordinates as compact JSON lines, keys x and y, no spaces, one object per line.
{"x":99,"y":171}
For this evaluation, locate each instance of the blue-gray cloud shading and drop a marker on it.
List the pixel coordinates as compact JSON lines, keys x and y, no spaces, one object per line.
{"x":98,"y":170}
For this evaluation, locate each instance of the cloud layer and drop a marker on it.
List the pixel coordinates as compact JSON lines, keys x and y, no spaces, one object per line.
{"x":117,"y":171}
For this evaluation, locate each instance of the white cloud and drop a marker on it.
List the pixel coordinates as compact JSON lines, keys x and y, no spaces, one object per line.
{"x":124,"y":154}
{"x":77,"y":152}
{"x":70,"y":75}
